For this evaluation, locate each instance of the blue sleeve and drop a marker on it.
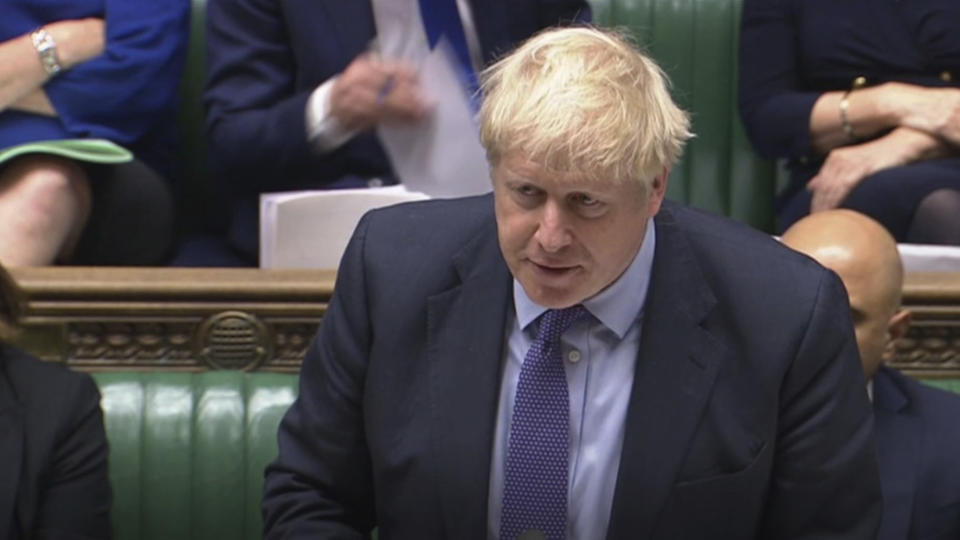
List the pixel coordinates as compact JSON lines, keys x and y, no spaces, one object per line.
{"x":125,"y":91}
{"x":774,"y":109}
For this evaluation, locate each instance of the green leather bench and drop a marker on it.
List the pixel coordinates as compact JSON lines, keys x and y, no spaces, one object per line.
{"x":953,"y":385}
{"x":188,"y":450}
{"x":694,"y":41}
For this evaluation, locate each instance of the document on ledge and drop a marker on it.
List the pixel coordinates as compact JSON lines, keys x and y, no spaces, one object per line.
{"x":440,"y":155}
{"x":311,"y":229}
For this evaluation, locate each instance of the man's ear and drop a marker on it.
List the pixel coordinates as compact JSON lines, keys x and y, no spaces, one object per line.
{"x":658,"y":189}
{"x":897,"y":328}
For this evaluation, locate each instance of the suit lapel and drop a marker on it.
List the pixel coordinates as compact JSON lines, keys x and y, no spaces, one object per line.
{"x":465,"y":329}
{"x":11,"y":453}
{"x":676,"y":366}
{"x":898,"y":437}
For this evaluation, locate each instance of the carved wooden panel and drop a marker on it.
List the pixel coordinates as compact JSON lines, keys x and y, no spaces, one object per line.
{"x":932,"y":346}
{"x":196,"y":319}
{"x":102,"y":319}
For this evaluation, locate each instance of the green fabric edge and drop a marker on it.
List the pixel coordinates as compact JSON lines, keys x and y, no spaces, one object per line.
{"x":89,"y":150}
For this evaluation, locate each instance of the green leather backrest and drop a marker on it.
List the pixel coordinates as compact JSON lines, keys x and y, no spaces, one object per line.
{"x":695,"y":41}
{"x":194,"y":183}
{"x":952,"y":385}
{"x":188,"y":450}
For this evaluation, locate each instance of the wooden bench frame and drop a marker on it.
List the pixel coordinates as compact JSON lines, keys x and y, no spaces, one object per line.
{"x":108,"y":319}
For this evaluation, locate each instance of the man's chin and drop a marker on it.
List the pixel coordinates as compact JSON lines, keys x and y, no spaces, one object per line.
{"x":553,"y":297}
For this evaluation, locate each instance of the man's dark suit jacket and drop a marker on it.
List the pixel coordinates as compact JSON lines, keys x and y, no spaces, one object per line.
{"x":265,"y":58}
{"x":748,"y":416}
{"x":53,"y":452}
{"x":918,"y":445}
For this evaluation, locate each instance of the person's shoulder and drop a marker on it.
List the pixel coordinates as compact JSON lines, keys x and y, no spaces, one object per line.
{"x":433,"y":225}
{"x":933,"y":413}
{"x":756,"y":281}
{"x":925,"y":399}
{"x":734,"y":249}
{"x":709,"y":229}
{"x":456,"y":209}
{"x":45,"y":385}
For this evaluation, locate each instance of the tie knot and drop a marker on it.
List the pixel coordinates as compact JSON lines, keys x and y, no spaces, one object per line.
{"x":556,"y":321}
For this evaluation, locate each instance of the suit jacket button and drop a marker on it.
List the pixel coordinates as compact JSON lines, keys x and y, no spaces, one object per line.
{"x":946,"y":76}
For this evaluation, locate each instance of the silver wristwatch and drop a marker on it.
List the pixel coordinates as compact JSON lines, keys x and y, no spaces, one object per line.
{"x":47,"y":49}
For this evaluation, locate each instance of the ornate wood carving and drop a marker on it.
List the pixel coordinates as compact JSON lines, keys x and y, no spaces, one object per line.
{"x":198,"y":319}
{"x":102,"y":319}
{"x":931,"y":348}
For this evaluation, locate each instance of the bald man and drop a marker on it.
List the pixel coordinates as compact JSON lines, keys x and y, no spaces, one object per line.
{"x":917,"y":426}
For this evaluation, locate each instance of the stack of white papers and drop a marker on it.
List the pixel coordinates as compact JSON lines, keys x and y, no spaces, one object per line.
{"x":310,"y":229}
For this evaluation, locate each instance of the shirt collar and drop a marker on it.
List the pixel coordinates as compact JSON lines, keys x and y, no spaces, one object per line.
{"x":619,"y":305}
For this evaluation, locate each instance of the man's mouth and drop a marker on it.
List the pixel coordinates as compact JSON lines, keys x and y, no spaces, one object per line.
{"x":553,"y":270}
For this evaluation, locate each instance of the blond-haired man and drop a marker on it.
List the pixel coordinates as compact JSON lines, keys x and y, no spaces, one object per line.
{"x":916,"y":425}
{"x":572,"y":357}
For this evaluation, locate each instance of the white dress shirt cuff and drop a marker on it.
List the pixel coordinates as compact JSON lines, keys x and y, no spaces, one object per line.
{"x":323,"y":130}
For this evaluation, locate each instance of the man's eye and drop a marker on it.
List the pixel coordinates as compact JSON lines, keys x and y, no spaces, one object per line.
{"x":585,"y":200}
{"x":527,"y":190}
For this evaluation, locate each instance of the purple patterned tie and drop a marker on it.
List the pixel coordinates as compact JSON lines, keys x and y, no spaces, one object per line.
{"x":535,"y":474}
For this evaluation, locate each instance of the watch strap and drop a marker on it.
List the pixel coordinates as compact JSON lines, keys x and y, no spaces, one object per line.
{"x":47,"y":50}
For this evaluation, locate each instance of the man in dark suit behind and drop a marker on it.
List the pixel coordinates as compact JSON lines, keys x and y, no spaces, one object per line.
{"x":572,"y":357}
{"x":916,"y":425}
{"x":293,"y":90}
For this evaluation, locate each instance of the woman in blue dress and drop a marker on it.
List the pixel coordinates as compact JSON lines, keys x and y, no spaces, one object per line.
{"x":862,"y":98}
{"x":88,"y":69}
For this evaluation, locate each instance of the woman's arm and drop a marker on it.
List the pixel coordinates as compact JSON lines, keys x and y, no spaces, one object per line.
{"x":846,"y":167}
{"x":870,"y":111}
{"x":774,"y":110}
{"x":933,"y":110}
{"x":123,"y":93}
{"x":22,"y":75}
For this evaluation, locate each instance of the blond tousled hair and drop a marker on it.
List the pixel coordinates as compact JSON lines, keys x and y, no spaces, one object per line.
{"x":585,"y":101}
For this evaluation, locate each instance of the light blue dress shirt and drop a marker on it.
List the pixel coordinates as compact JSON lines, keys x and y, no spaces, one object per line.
{"x":599,"y":355}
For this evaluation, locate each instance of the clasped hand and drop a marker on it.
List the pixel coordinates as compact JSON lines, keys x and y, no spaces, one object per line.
{"x":847,"y":166}
{"x":932,"y":110}
{"x":372,"y":90}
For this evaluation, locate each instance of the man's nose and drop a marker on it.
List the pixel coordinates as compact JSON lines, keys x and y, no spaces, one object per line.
{"x":553,"y":232}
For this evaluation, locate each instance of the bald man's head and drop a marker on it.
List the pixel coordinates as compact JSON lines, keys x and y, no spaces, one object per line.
{"x":866,"y":258}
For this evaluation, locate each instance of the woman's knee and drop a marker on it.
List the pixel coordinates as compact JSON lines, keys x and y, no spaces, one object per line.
{"x":937,"y":218}
{"x":46,"y":186}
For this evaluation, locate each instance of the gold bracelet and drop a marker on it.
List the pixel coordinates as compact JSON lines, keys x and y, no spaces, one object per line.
{"x":47,"y":50}
{"x":844,"y":119}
